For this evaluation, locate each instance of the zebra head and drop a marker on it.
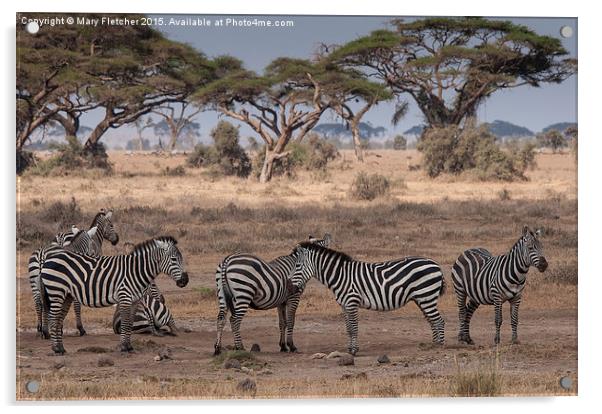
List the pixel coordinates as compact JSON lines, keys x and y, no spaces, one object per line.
{"x":324,"y":242}
{"x":103,"y":221}
{"x":64,"y":239}
{"x":533,"y":249}
{"x":304,"y":269}
{"x":171,"y":261}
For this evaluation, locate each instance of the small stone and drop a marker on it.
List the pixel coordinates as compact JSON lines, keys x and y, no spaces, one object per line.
{"x":407,"y":364}
{"x":59,"y":365}
{"x":255,"y":348}
{"x":265,"y":372}
{"x":232,"y":364}
{"x":247,"y":385}
{"x":318,"y":355}
{"x":246,"y":370}
{"x":157,"y":358}
{"x":186,"y":329}
{"x":346,"y":359}
{"x":383,"y":359}
{"x":165,"y":353}
{"x":105,"y":362}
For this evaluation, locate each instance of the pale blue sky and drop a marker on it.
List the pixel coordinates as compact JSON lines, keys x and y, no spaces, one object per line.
{"x":533,"y":108}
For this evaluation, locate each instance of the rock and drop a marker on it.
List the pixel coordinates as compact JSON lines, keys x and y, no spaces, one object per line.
{"x":383,"y":359}
{"x":186,"y":329}
{"x":247,"y":385}
{"x":255,"y":348}
{"x":165,"y":353}
{"x":318,"y":355}
{"x":407,"y":364}
{"x":246,"y":370}
{"x":157,"y":358}
{"x":336,"y":354}
{"x":232,"y":364}
{"x":346,"y":359}
{"x":265,"y":372}
{"x":358,"y":376}
{"x":59,"y":365}
{"x":105,"y":362}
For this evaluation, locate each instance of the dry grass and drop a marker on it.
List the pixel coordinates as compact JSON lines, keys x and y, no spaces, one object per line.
{"x":212,"y":218}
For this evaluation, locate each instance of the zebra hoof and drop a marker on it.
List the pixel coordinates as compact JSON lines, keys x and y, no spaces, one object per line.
{"x":82,"y":331}
{"x":292,"y":348}
{"x":127,"y":348}
{"x":59,"y":349}
{"x":217,"y":350}
{"x":283,"y":348}
{"x":515,"y":342}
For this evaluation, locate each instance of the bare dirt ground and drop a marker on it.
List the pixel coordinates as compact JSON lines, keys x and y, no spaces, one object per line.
{"x":437,"y":218}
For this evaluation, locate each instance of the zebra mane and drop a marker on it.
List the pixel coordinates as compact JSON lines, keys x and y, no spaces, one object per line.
{"x":316,"y":247}
{"x":151,"y":242}
{"x":96,"y":217}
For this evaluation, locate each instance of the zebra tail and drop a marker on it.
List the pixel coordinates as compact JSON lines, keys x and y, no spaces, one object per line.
{"x":443,"y":285}
{"x":43,"y":293}
{"x":227,"y":293}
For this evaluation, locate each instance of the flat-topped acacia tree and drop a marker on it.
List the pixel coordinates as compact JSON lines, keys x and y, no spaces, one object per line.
{"x":448,"y":66}
{"x":351,"y":95}
{"x":281,"y":105}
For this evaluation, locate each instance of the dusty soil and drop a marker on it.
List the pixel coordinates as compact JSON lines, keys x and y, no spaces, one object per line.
{"x":437,"y":218}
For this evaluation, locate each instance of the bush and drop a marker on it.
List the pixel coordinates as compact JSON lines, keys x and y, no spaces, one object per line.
{"x":178,"y":171}
{"x":72,"y":157}
{"x":455,"y":150}
{"x":552,"y":139}
{"x":64,"y":214}
{"x":312,"y":155}
{"x":226,"y":155}
{"x":369,"y":186}
{"x":400,"y":142}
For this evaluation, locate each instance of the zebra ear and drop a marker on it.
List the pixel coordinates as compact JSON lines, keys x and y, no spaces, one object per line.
{"x":327,"y":239}
{"x":92,"y":231}
{"x":525,"y":230}
{"x":162,"y":244}
{"x":109,"y":214}
{"x":538,"y":232}
{"x":74,"y":230}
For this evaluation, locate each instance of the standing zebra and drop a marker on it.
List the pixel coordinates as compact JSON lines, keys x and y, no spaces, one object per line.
{"x":485,"y":279}
{"x":245,"y":281}
{"x":380,"y":286}
{"x":151,"y":315}
{"x":103,"y":222}
{"x":105,"y":281}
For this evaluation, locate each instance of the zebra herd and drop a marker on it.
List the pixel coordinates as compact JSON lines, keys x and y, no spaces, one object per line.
{"x":72,"y":269}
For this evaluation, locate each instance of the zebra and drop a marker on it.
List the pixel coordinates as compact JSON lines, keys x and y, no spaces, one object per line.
{"x":245,"y":281}
{"x":106,"y":281}
{"x":150,"y":316}
{"x":485,"y":279}
{"x":103,"y":222}
{"x":380,"y":286}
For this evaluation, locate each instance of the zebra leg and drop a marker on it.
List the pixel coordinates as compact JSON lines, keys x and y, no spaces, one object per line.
{"x":235,"y":321}
{"x":431,"y":313}
{"x":55,"y":327}
{"x":173,"y":328}
{"x":471,"y":307}
{"x":350,"y":313}
{"x":221,"y":322}
{"x":37,"y":301}
{"x":463,"y":327}
{"x":291,"y":309}
{"x":282,"y":325}
{"x":77,"y":308}
{"x":44,"y":333}
{"x":498,"y":321}
{"x":125,"y":311}
{"x":514,"y":304}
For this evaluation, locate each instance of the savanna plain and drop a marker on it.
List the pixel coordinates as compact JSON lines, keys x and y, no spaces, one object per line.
{"x":212,"y":217}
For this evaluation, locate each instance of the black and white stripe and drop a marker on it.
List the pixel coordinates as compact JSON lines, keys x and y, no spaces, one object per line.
{"x":105,"y":231}
{"x":380,"y":286}
{"x":151,"y":315}
{"x":246,"y":281}
{"x":106,"y":281}
{"x":483,"y":279}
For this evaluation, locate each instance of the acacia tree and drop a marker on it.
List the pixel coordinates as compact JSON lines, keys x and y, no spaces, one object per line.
{"x":448,"y":66}
{"x":282,"y":105}
{"x":351,"y":95}
{"x":177,"y":120}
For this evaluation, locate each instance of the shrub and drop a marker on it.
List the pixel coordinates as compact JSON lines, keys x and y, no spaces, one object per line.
{"x":25,"y":159}
{"x":64,"y":214}
{"x":552,"y":139}
{"x":455,"y":150}
{"x":226,"y":155}
{"x":400,"y":142}
{"x":312,"y":155}
{"x":73,"y":157}
{"x":369,"y":186}
{"x":175,"y":172}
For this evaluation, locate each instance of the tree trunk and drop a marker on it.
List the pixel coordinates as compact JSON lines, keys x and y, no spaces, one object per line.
{"x":95,"y":135}
{"x":173,"y":140}
{"x":357,"y":142}
{"x":267,"y":168}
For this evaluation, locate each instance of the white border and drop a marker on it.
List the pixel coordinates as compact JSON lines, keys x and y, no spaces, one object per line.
{"x":589,"y":216}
